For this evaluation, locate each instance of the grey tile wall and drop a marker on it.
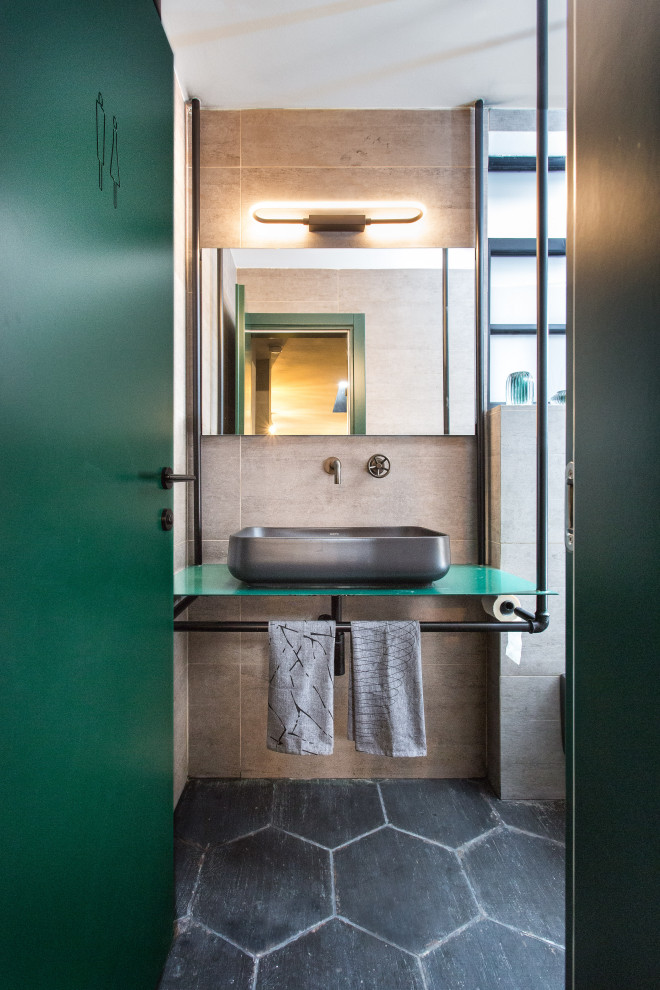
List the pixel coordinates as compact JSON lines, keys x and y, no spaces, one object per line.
{"x":526,"y":759}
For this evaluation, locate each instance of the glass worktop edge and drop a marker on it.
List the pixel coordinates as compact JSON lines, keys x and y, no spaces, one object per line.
{"x":462,"y":579}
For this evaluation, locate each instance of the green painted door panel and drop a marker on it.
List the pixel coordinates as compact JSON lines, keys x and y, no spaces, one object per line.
{"x":85,"y":391}
{"x":613,"y":905}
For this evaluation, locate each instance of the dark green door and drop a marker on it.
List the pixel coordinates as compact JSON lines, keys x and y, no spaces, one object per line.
{"x":85,"y":382}
{"x":614,"y":304}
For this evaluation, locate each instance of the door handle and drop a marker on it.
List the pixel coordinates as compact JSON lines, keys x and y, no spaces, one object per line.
{"x":569,"y":534}
{"x":167,"y":477}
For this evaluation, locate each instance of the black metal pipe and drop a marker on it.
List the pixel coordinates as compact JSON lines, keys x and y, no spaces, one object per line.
{"x":445,"y":340}
{"x":196,"y":287}
{"x":181,"y":603}
{"x":530,"y":625}
{"x":542,"y":306}
{"x":481,"y":321}
{"x":340,"y":643}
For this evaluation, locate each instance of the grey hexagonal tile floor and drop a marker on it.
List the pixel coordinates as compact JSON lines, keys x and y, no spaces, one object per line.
{"x":262,"y":890}
{"x":395,"y":885}
{"x":330,"y":812}
{"x":380,"y":877}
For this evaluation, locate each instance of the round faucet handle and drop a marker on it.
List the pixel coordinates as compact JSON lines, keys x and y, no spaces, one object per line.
{"x":378,"y":466}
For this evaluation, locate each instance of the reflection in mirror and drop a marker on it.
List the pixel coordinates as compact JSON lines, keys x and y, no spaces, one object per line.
{"x":399,"y":294}
{"x":296,"y":383}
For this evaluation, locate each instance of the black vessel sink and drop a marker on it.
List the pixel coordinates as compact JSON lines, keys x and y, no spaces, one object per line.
{"x":365,"y":556}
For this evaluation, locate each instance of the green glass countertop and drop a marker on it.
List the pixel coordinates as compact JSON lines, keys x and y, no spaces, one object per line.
{"x":461,"y":579}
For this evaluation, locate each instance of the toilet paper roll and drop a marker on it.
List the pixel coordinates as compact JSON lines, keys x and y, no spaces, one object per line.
{"x":501,"y":608}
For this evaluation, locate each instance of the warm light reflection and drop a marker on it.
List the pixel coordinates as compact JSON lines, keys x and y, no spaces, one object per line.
{"x":272,"y":429}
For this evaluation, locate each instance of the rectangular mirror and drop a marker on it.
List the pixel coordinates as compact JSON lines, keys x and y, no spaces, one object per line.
{"x":412,"y":372}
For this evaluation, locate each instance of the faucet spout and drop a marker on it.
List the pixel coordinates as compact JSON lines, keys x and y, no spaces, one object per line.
{"x":332,"y":465}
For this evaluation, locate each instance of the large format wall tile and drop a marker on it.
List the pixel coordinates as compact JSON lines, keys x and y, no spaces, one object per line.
{"x":221,"y":486}
{"x":357,"y":138}
{"x":220,"y":195}
{"x":289,"y":290}
{"x":430,"y":483}
{"x":220,"y":138}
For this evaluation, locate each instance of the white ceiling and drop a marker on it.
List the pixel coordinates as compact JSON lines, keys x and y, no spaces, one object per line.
{"x":237,"y":54}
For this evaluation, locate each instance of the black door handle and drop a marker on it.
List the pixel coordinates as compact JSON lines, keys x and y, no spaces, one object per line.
{"x":167,"y":477}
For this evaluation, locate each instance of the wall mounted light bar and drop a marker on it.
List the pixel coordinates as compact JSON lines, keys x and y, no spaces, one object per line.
{"x":338,"y":216}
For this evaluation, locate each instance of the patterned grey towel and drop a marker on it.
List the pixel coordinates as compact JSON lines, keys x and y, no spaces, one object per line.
{"x":300,"y":694}
{"x":385,"y":701}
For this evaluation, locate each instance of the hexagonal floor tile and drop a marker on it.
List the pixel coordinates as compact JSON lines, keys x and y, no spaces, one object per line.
{"x":205,"y":961}
{"x":221,"y":810}
{"x":338,"y":957}
{"x":264,"y":889}
{"x":519,"y":880}
{"x":329,"y":812}
{"x":447,"y":811}
{"x":547,"y":818}
{"x":487,"y":956}
{"x":408,"y":891}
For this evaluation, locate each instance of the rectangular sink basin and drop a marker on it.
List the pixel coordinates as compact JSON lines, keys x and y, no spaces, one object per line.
{"x":365,"y":556}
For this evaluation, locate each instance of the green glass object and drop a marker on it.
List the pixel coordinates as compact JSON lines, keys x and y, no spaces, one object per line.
{"x":559,"y":398}
{"x":461,"y":579}
{"x":520,"y":389}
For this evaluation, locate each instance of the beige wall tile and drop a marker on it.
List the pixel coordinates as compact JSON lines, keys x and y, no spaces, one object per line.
{"x":446,"y":193}
{"x":214,"y":720}
{"x":430,"y":484}
{"x":359,"y":138}
{"x":403,"y":320}
{"x":221,"y":486}
{"x":220,"y":138}
{"x":215,"y":551}
{"x":455,"y":720}
{"x":289,"y":290}
{"x":180,"y":713}
{"x":220,"y":207}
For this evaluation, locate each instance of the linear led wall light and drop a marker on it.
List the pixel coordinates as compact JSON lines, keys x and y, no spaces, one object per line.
{"x":337,"y":216}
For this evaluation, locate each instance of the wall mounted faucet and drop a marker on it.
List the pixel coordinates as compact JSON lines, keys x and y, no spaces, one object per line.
{"x":332,"y":465}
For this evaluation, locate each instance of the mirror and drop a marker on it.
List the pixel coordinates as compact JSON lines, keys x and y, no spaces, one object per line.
{"x":414,"y":328}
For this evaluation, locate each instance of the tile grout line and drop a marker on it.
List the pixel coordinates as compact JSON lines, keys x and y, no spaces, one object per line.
{"x":521,"y":931}
{"x":380,"y":938}
{"x":459,"y":860}
{"x":294,"y":938}
{"x":333,"y":888}
{"x":193,"y":894}
{"x":357,"y":838}
{"x":382,"y":802}
{"x":457,"y":931}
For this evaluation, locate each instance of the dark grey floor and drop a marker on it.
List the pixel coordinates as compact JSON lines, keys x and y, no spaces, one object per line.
{"x":377,"y":885}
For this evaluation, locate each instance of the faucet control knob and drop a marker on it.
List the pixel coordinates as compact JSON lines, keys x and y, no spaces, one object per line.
{"x":378,"y":466}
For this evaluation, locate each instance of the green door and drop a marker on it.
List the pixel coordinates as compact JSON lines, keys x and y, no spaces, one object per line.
{"x":614,"y":303}
{"x":85,"y":392}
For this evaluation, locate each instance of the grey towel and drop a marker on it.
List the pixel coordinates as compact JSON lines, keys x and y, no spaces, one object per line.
{"x":385,"y":701}
{"x":300,"y":694}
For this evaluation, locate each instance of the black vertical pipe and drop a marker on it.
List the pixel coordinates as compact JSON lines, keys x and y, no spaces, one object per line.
{"x":542,"y":302}
{"x":481,"y":322}
{"x":445,"y":340}
{"x":196,"y":286}
{"x":340,"y":646}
